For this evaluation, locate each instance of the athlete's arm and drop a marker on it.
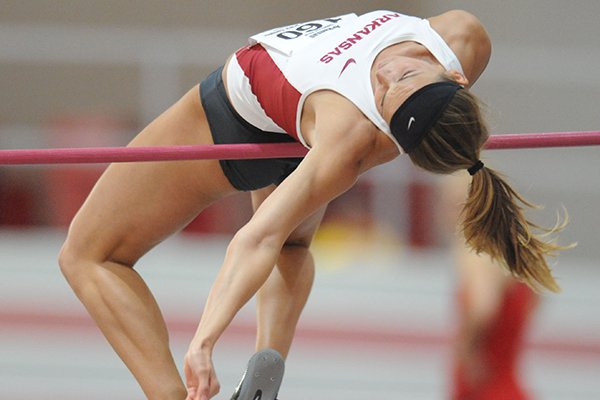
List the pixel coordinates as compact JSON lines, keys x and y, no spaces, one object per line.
{"x":338,"y":156}
{"x":330,"y":168}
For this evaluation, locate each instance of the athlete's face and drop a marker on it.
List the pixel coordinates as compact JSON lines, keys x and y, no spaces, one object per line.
{"x":397,"y":77}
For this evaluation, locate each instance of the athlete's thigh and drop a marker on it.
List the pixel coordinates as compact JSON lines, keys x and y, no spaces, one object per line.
{"x":136,"y":205}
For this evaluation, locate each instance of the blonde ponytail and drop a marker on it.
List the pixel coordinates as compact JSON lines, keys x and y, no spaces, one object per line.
{"x":493,"y":218}
{"x":494,"y":223}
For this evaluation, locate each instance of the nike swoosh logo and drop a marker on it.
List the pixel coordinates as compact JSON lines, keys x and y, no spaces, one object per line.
{"x":348,"y":63}
{"x":410,"y":122}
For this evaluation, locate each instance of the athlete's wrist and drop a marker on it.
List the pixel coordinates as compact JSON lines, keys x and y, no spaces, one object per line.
{"x":201,"y":344}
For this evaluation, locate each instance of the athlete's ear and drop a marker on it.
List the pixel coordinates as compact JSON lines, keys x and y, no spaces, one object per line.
{"x":458,"y":77}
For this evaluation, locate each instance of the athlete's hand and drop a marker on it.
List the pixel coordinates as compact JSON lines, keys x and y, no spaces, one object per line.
{"x":200,"y":377}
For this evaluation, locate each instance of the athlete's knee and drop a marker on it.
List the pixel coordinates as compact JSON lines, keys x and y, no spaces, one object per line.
{"x":73,"y":258}
{"x":79,"y":255}
{"x":69,"y":260}
{"x":297,"y":245}
{"x":295,"y":251}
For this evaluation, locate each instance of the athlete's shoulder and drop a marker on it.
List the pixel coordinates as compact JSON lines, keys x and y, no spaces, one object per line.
{"x":460,"y":25}
{"x":468,"y":39}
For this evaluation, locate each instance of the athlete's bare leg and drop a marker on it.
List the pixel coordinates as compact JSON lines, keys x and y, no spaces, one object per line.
{"x":281,"y":299}
{"x":132,"y":208}
{"x":280,"y":302}
{"x":283,"y":296}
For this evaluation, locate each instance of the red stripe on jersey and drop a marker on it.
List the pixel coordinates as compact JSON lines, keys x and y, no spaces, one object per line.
{"x":278,"y":98}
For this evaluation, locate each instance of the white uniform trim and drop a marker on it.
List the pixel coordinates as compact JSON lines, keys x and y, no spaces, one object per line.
{"x":245,"y":102}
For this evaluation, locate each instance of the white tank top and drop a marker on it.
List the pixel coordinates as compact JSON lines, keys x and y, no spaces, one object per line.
{"x":269,"y":80}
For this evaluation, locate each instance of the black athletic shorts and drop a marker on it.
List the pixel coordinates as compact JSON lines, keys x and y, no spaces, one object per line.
{"x":228,"y":127}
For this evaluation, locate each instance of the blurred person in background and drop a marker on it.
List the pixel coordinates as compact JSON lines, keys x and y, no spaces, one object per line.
{"x":358,"y":91}
{"x":494,"y":313}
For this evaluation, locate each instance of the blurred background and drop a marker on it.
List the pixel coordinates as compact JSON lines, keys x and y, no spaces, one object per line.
{"x":93,"y":73}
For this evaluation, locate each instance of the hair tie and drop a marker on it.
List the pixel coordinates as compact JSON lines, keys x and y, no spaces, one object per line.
{"x":476,"y":167}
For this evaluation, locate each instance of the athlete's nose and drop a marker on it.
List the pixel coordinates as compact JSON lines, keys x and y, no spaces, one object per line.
{"x":383,"y":76}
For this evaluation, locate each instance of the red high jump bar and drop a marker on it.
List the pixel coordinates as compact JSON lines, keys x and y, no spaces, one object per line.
{"x":252,"y":151}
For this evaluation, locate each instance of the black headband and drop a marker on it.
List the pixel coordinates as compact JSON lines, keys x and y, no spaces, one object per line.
{"x":417,"y":115}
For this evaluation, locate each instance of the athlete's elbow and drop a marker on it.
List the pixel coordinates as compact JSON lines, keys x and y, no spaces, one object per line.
{"x":360,"y":151}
